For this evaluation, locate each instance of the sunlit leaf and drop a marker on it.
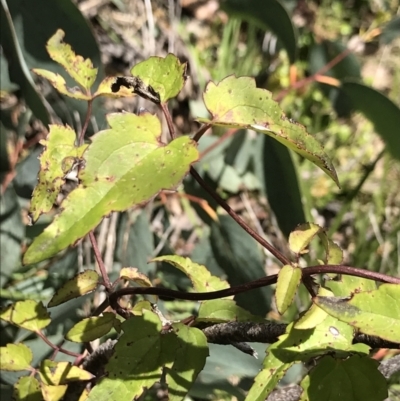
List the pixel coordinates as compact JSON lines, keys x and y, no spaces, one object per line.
{"x":190,"y":358}
{"x":300,"y":238}
{"x":345,"y":285}
{"x":59,"y":156}
{"x":78,"y":68}
{"x":376,"y":313}
{"x":81,"y":284}
{"x":165,"y":75}
{"x":333,"y":252}
{"x":133,"y":274}
{"x":104,"y":89}
{"x":53,"y":393}
{"x":200,"y":277}
{"x":15,"y":357}
{"x":29,"y":314}
{"x":125,"y":165}
{"x":245,"y":106}
{"x":137,"y":361}
{"x":58,"y":82}
{"x":91,"y":328}
{"x":27,"y":388}
{"x":60,"y":373}
{"x":289,"y":279}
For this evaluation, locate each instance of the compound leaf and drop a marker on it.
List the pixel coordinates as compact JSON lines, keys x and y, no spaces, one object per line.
{"x":236,"y":102}
{"x":81,"y":70}
{"x":125,"y":165}
{"x":29,"y":314}
{"x":165,"y":75}
{"x":375,"y":313}
{"x":81,"y":284}
{"x":200,"y":277}
{"x":190,"y":358}
{"x":27,"y":388}
{"x":15,"y":357}
{"x":91,"y":328}
{"x":58,"y":158}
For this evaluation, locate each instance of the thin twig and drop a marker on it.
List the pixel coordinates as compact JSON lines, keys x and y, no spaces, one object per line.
{"x":99,"y":259}
{"x":168,"y":118}
{"x":202,"y":130}
{"x":55,"y":347}
{"x":86,"y":123}
{"x":264,"y":243}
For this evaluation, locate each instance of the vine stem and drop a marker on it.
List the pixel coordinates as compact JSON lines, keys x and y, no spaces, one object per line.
{"x":55,"y":347}
{"x":282,"y":258}
{"x":307,"y":272}
{"x":168,"y":118}
{"x":86,"y":122}
{"x":99,"y":259}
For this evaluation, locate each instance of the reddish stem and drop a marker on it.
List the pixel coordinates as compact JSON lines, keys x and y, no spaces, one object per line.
{"x":86,"y":122}
{"x":99,"y":259}
{"x":168,"y":118}
{"x":55,"y":347}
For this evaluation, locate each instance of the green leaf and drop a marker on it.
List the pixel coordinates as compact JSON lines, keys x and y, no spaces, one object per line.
{"x":15,"y":357}
{"x":375,"y":313}
{"x":83,"y":283}
{"x":266,"y":14}
{"x":78,"y":68}
{"x":138,"y":359}
{"x":344,"y":285}
{"x":200,"y":277}
{"x":272,"y":372}
{"x":59,"y":156}
{"x":289,"y":279}
{"x":380,"y":110}
{"x":60,"y":373}
{"x":241,"y":259}
{"x":125,"y":166}
{"x":104,"y":89}
{"x":190,"y":358}
{"x":300,"y":238}
{"x":314,"y":315}
{"x":29,"y":314}
{"x":27,"y":388}
{"x":281,"y":184}
{"x":245,"y":106}
{"x":354,"y":379}
{"x":91,"y":328}
{"x":224,"y":310}
{"x":333,"y":252}
{"x":53,"y":393}
{"x":165,"y":75}
{"x":58,"y":82}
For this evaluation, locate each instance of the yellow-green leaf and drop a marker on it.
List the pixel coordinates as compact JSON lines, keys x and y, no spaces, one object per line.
{"x":300,"y":238}
{"x":53,"y":393}
{"x":29,"y":314}
{"x":104,"y":89}
{"x":91,"y":328}
{"x":199,"y":275}
{"x":60,"y":155}
{"x":27,"y":388}
{"x":133,"y":274}
{"x":289,"y":278}
{"x":375,"y":313}
{"x":81,"y":70}
{"x":14,"y":357}
{"x":81,"y":284}
{"x":59,"y":373}
{"x":58,"y":82}
{"x":236,"y":102}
